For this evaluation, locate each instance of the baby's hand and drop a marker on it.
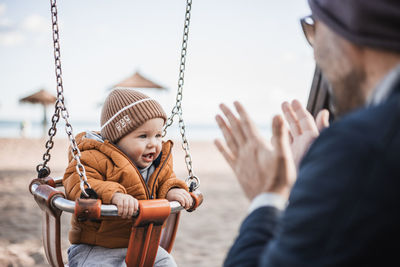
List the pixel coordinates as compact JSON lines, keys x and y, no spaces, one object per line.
{"x":126,"y":204}
{"x":180,"y":195}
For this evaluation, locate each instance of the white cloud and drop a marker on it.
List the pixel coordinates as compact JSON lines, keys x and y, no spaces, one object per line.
{"x":5,"y":22}
{"x":103,"y":30}
{"x":35,"y":23}
{"x":289,"y":56}
{"x":33,"y":28}
{"x":2,"y":9}
{"x":11,"y":38}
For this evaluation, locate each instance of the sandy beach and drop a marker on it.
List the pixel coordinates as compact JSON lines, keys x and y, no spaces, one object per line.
{"x":203,"y":237}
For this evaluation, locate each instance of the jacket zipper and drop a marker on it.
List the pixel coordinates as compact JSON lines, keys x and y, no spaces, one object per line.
{"x":162,"y":166}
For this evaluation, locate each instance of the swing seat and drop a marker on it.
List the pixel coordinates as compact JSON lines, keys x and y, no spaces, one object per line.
{"x":147,"y":231}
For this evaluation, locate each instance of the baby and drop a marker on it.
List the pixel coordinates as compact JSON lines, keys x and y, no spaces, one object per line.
{"x":126,"y":162}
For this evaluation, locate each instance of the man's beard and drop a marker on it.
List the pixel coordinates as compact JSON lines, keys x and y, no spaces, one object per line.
{"x":346,"y":94}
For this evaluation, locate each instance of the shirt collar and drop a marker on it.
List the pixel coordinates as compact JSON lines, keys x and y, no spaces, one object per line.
{"x":385,"y":87}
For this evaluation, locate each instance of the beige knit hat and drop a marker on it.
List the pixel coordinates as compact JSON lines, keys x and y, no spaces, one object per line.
{"x":124,"y":110}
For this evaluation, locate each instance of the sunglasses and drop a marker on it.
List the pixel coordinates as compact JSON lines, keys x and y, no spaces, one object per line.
{"x":308,"y":26}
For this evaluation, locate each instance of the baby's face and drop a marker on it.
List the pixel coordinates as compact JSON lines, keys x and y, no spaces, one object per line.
{"x":143,"y":145}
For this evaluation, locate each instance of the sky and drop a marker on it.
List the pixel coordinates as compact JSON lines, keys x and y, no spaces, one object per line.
{"x":251,"y":51}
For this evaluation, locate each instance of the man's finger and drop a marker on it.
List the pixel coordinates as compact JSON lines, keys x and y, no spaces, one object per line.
{"x":291,"y":139}
{"x":228,"y":157}
{"x":281,"y":136}
{"x":227,"y":133}
{"x":306,"y":120}
{"x":237,"y":131}
{"x":248,"y":127}
{"x":322,"y":120}
{"x":291,"y":118}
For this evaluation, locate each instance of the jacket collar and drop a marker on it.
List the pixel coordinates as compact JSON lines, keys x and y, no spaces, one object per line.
{"x":158,"y":160}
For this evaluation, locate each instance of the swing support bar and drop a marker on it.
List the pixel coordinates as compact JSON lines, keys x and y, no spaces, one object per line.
{"x":146,"y":232}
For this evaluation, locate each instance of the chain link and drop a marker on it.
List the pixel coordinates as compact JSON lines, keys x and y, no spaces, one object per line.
{"x":60,"y":108}
{"x":177,"y":109}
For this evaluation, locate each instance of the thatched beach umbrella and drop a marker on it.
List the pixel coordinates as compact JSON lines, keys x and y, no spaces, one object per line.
{"x":138,"y":81}
{"x":42,"y":97}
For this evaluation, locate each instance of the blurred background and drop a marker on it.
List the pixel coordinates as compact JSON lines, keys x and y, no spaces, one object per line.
{"x":251,"y":51}
{"x":254,"y":52}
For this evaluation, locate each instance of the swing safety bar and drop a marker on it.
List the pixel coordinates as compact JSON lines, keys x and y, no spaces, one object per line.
{"x":58,"y":200}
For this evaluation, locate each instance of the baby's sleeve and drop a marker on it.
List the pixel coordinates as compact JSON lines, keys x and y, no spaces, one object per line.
{"x":104,"y":189}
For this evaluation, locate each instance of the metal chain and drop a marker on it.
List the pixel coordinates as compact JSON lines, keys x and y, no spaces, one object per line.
{"x":192,"y":180}
{"x":60,"y":108}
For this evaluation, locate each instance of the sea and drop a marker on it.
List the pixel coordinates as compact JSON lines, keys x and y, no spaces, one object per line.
{"x":193,"y":131}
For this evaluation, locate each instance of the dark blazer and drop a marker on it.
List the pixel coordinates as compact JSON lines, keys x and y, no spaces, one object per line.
{"x":344,"y":209}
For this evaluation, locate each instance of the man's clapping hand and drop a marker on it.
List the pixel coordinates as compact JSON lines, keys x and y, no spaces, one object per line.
{"x":259,"y":166}
{"x":303,"y":128}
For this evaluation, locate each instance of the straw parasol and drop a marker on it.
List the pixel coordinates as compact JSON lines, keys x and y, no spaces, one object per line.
{"x":41,"y":97}
{"x":138,"y":81}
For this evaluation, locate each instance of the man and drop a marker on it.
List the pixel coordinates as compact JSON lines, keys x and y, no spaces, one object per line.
{"x":344,"y":207}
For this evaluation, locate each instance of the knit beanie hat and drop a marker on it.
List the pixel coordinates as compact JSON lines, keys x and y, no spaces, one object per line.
{"x":124,"y":110}
{"x":373,"y":23}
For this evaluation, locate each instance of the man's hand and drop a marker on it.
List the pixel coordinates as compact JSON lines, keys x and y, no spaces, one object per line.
{"x":180,"y":195}
{"x":303,"y":128}
{"x":259,"y":166}
{"x":127,"y":204}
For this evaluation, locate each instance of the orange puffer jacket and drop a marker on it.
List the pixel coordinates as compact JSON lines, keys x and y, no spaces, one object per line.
{"x":108,"y":171}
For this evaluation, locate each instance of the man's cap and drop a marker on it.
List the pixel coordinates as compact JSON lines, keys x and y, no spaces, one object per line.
{"x":373,"y":23}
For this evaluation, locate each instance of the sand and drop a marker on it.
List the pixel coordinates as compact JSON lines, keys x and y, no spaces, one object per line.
{"x":204,"y":236}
